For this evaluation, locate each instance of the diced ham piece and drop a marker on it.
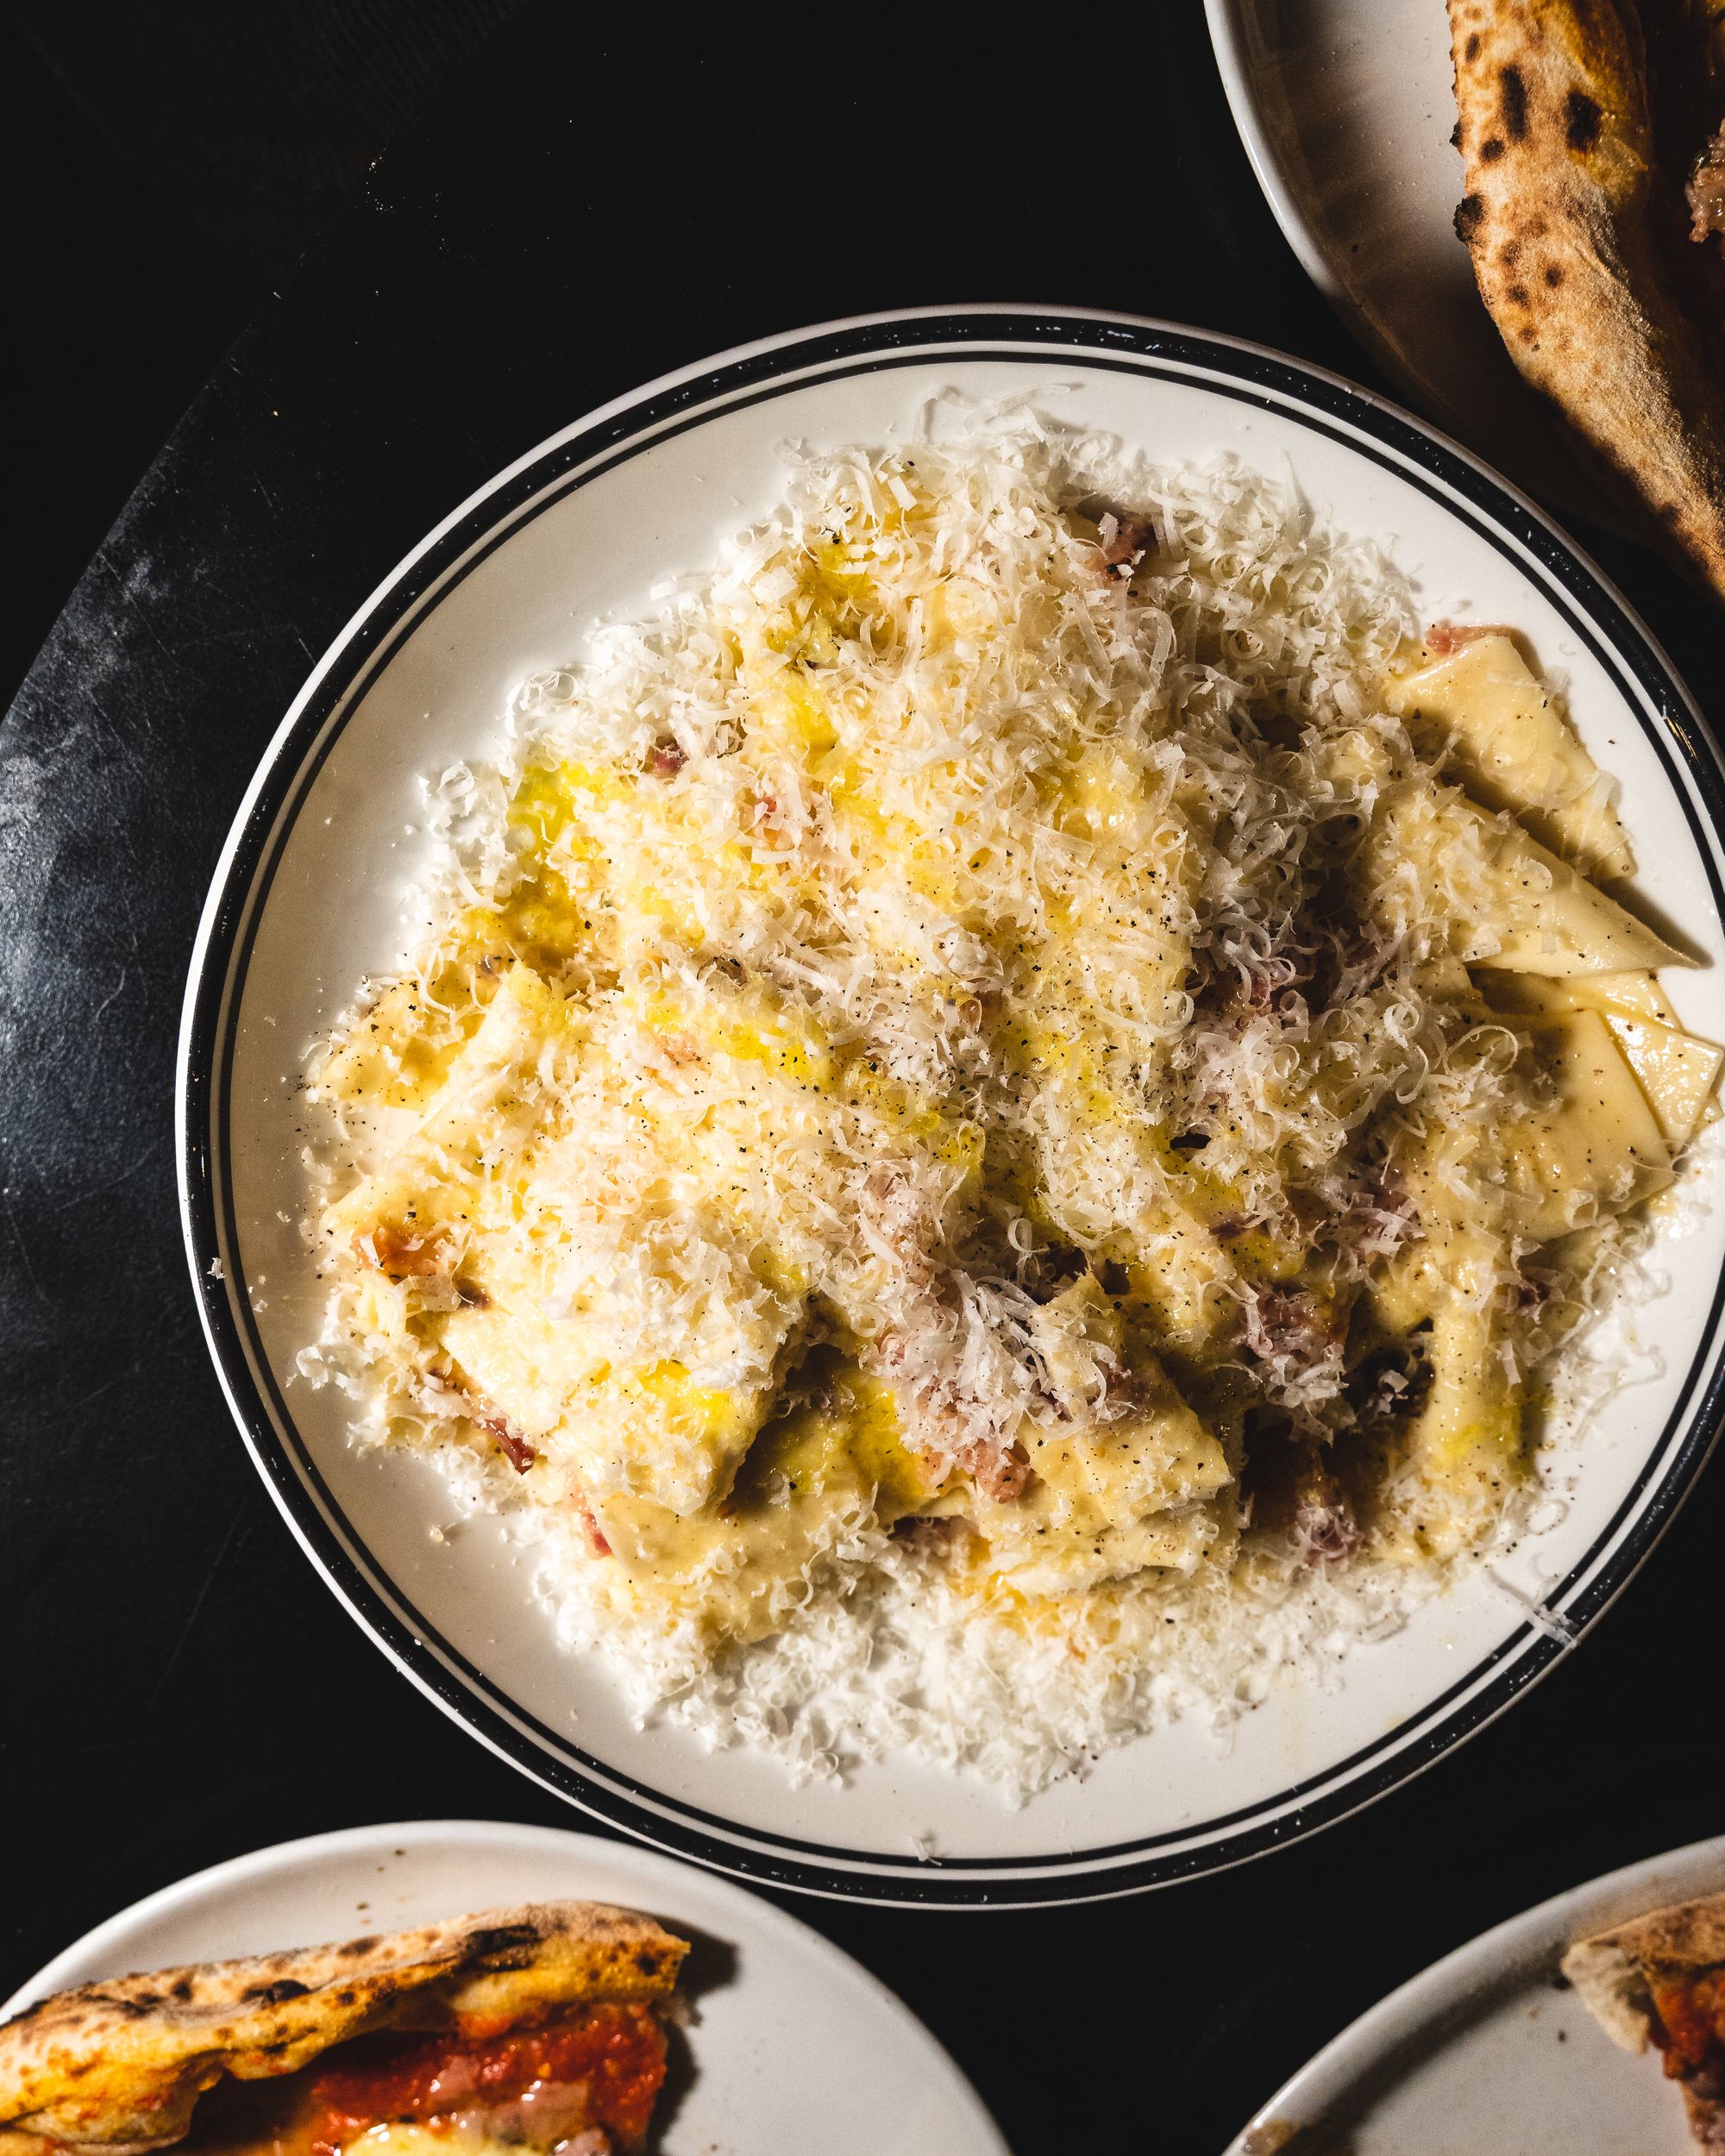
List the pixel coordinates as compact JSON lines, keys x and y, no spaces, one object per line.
{"x":1284,"y":1325}
{"x":1000,"y":1471}
{"x":515,"y":1448}
{"x":1323,"y":1530}
{"x":582,"y":1508}
{"x":402,"y":1256}
{"x":1444,"y":638}
{"x":1126,"y":540}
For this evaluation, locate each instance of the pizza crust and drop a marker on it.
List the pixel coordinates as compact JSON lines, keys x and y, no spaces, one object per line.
{"x":118,"y":2066}
{"x":1557,"y":143}
{"x":1611,"y":1969}
{"x":1613,"y":1973}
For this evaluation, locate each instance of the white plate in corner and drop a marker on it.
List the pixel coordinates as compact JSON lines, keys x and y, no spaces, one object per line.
{"x":792,"y":2047}
{"x":1489,"y":2050}
{"x":1346,"y":108}
{"x":307,"y":900}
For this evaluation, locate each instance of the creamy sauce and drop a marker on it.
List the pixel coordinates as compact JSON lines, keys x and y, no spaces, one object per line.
{"x":937,"y":1045}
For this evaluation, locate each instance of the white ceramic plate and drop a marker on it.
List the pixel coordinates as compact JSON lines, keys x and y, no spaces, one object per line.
{"x":1489,"y":2050}
{"x":1347,"y":108}
{"x":306,"y":901}
{"x":793,"y":2046}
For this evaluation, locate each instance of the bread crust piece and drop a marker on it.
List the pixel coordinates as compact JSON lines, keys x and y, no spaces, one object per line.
{"x":1614,"y":1971}
{"x":119,"y":2066}
{"x":1611,"y":1969}
{"x":1558,"y":144}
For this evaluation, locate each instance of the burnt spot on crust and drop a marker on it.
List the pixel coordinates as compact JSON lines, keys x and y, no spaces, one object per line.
{"x":1469,"y":216}
{"x":274,"y":1994}
{"x":647,"y":1963}
{"x":1455,"y":136}
{"x":1491,"y":150}
{"x":182,"y":1990}
{"x":1581,"y":121}
{"x":356,"y":1948}
{"x":1553,"y":274}
{"x":1471,"y":50}
{"x":506,"y":1938}
{"x":1518,"y":295}
{"x":1509,"y":254}
{"x":1513,"y":94}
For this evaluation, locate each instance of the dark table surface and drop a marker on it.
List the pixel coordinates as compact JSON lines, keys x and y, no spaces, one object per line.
{"x":583,"y":213}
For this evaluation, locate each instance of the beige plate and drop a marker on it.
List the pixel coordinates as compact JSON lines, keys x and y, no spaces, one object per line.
{"x":1489,"y":2054}
{"x":1347,"y":108}
{"x":308,"y":900}
{"x":868,"y":2079}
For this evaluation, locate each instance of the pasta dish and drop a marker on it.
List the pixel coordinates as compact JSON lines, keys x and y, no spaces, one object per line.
{"x":1028,"y":1038}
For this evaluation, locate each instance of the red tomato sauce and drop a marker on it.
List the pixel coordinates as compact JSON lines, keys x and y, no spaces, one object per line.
{"x":1690,"y":2031}
{"x":618,"y":2051}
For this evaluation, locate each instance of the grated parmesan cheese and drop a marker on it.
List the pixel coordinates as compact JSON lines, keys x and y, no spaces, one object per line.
{"x":947,"y":1145}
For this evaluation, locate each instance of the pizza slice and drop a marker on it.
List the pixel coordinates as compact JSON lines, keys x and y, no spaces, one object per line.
{"x":525,"y":2029}
{"x":1661,"y":1981}
{"x":1601,"y":272}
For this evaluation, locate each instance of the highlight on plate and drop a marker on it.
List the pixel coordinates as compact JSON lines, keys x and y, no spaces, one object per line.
{"x":998,"y":1112}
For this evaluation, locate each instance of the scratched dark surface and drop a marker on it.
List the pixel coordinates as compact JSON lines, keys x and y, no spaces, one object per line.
{"x":178,"y":1687}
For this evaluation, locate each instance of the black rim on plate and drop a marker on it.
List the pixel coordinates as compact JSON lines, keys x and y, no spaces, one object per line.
{"x":1321,"y":403}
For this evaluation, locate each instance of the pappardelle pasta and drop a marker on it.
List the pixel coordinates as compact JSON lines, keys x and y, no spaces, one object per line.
{"x":1024,"y":1021}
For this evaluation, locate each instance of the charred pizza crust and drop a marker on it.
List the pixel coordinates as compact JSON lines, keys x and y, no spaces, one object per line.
{"x":1559,"y":218}
{"x":119,"y":2066}
{"x":1611,"y":1970}
{"x":1615,"y":1973}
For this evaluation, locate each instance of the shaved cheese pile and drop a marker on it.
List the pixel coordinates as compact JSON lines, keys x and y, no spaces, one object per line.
{"x":982,"y":1139}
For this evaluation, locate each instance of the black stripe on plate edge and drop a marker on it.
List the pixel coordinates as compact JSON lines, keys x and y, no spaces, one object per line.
{"x":1270,"y":383}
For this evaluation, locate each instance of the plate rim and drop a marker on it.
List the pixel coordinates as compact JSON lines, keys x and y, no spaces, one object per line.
{"x":1519,"y":426}
{"x":1306,"y":395}
{"x":1227,"y":24}
{"x":1611,"y":1897}
{"x":306,"y":1850}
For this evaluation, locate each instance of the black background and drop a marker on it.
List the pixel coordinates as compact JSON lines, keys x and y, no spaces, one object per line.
{"x":582,"y":210}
